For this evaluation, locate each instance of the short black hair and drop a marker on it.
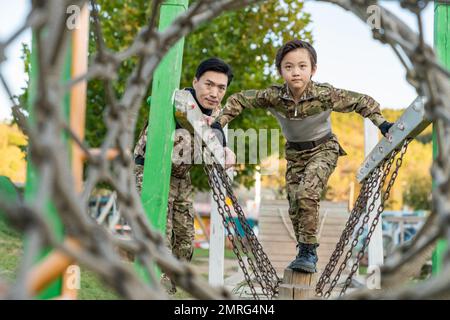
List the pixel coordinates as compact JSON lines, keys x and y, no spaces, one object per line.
{"x":217,"y":65}
{"x":294,"y":45}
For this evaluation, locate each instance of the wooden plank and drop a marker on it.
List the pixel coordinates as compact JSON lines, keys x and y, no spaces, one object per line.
{"x":289,"y":257}
{"x":332,"y":221}
{"x":288,"y":276}
{"x":288,"y":248}
{"x":274,"y":225}
{"x":301,"y":293}
{"x":280,"y":246}
{"x":275,"y":237}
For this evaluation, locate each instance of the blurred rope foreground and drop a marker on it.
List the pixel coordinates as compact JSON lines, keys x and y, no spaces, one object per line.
{"x":94,"y":246}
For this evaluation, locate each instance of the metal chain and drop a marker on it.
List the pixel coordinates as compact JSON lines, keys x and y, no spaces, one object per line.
{"x":375,"y":221}
{"x":366,"y":193}
{"x":422,"y":69}
{"x":263,"y":262}
{"x":219,"y":198}
{"x":263,"y":270}
{"x":375,"y":181}
{"x":361,"y":202}
{"x":385,"y":171}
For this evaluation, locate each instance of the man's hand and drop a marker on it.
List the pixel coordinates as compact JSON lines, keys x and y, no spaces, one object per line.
{"x":384,"y":127}
{"x":209,"y":120}
{"x":230,"y":158}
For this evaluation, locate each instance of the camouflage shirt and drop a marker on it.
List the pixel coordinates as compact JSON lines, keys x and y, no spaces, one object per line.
{"x":309,"y":119}
{"x":139,"y":149}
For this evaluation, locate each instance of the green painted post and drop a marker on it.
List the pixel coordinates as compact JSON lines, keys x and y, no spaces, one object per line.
{"x":442,"y":47}
{"x":158,"y":164}
{"x":32,"y":180}
{"x":8,"y":193}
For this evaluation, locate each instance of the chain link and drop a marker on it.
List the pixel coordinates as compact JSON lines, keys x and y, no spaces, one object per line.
{"x":380,"y":209}
{"x":361,"y":203}
{"x":219,"y":198}
{"x":263,"y":262}
{"x":249,"y":245}
{"x":375,"y":181}
{"x":258,"y":261}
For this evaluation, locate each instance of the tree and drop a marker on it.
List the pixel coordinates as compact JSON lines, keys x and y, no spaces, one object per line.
{"x":247,"y":39}
{"x":12,"y":161}
{"x":417,"y":194}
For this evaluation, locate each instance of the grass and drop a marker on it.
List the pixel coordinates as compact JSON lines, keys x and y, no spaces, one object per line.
{"x":91,"y":287}
{"x":362,"y":270}
{"x":204,"y":253}
{"x":11,"y":251}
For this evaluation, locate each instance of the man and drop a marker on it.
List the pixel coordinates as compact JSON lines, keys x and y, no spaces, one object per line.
{"x":212,"y":78}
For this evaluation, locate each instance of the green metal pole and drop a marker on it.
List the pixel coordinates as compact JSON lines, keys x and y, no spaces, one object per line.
{"x":442,"y":47}
{"x":32,"y":180}
{"x":158,"y":164}
{"x":8,"y":193}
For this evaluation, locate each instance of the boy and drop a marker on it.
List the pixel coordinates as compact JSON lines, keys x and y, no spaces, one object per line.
{"x":303,"y":107}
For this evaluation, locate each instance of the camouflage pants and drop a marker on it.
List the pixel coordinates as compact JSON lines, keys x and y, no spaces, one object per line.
{"x":180,"y":230}
{"x":306,"y":177}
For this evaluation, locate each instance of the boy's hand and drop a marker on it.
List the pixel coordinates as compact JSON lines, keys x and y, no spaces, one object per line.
{"x":384,"y":127}
{"x":230,"y":158}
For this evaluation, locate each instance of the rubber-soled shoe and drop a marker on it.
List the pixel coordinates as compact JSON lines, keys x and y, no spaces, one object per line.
{"x":306,"y":259}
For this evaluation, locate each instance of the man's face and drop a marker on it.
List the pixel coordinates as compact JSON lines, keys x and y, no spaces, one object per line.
{"x":210,"y":89}
{"x":296,"y":69}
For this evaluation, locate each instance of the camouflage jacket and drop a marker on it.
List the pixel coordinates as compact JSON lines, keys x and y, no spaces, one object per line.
{"x":317,"y":102}
{"x":139,"y":149}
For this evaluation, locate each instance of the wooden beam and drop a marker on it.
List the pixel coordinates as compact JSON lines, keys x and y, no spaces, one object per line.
{"x":50,"y":268}
{"x":78,"y":93}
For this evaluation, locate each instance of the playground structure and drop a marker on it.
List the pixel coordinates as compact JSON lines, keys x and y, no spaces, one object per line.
{"x":53,"y":215}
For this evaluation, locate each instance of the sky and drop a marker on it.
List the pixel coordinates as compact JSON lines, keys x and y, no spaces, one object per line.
{"x":12,"y":16}
{"x":348,"y":57}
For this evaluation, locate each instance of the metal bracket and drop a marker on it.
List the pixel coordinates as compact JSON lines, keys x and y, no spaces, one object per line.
{"x":410,"y":124}
{"x":191,"y":118}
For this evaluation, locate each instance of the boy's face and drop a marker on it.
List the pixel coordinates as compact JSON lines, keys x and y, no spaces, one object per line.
{"x":210,"y":89}
{"x":296,"y":69}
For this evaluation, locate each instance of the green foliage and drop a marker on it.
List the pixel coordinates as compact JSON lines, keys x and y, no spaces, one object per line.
{"x":92,"y":288}
{"x":120,"y":23}
{"x":247,"y":39}
{"x":12,"y":161}
{"x":10,"y":251}
{"x":417,"y":193}
{"x":413,"y":184}
{"x":26,"y":58}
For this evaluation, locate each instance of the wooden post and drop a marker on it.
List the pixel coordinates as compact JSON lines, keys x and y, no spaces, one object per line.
{"x":216,"y":242}
{"x":80,"y":44}
{"x":298,"y":285}
{"x":351,"y":197}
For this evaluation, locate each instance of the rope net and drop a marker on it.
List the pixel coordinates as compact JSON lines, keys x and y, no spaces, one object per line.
{"x":92,"y":245}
